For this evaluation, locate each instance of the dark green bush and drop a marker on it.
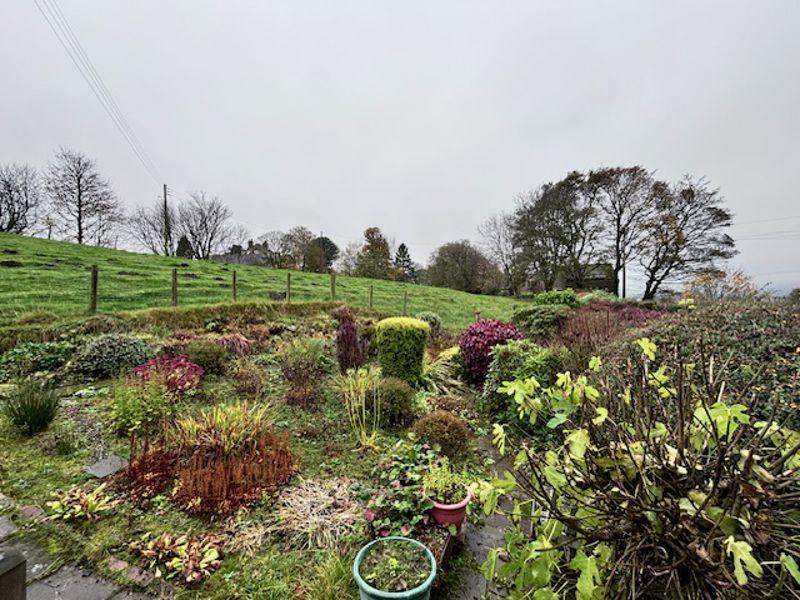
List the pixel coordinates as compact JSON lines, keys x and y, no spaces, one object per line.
{"x":110,"y":355}
{"x":539,"y":321}
{"x":31,"y":357}
{"x":518,"y":359}
{"x":303,"y":363}
{"x":401,"y":345}
{"x":209,"y":355}
{"x":444,"y":429}
{"x":566,"y":297}
{"x":432,"y":319}
{"x":397,"y":401}
{"x":31,"y":406}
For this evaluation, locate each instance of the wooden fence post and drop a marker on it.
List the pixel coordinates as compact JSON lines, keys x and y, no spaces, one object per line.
{"x":289,"y":286}
{"x":234,"y":285}
{"x":370,"y":297}
{"x":477,"y":315}
{"x":405,"y":303}
{"x":174,"y":286}
{"x":93,"y":291}
{"x":333,"y":286}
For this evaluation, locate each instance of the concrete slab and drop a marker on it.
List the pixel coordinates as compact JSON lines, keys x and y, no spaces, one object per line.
{"x":105,"y":467}
{"x":38,"y":564}
{"x":71,"y":583}
{"x":7,"y":528}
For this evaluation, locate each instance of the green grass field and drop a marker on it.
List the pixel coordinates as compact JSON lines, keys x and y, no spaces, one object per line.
{"x":38,"y":274}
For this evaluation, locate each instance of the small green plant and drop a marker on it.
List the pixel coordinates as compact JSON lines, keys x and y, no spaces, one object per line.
{"x":566,"y":297}
{"x":443,"y":429}
{"x":209,"y":355}
{"x":188,"y":559}
{"x":31,"y":406}
{"x":444,"y":485}
{"x":396,"y":401}
{"x":142,"y":406}
{"x":395,"y":566}
{"x":79,"y":505}
{"x":539,"y":321}
{"x":110,"y":355}
{"x":401,"y":345}
{"x":60,"y":440}
{"x":32,"y":357}
{"x":432,"y":319}
{"x":359,"y":390}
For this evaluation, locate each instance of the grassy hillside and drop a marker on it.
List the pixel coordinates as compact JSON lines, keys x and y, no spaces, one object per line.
{"x":40,"y":274}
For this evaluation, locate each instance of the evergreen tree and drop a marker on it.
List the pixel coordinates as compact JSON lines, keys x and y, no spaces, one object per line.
{"x":404,"y":264}
{"x":184,"y":249}
{"x":374,"y":258}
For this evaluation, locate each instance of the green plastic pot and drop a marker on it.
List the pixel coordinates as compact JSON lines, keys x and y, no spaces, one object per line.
{"x":421,"y":592}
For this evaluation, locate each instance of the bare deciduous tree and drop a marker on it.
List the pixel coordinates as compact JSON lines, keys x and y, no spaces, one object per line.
{"x":20,"y":198}
{"x":684,"y":234}
{"x":347,"y":263}
{"x":205,"y":221}
{"x":149,"y":226}
{"x":497,"y":237}
{"x":84,"y":202}
{"x":623,"y":196}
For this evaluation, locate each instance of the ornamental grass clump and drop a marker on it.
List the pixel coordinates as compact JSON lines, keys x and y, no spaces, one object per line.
{"x":476,"y":345}
{"x":227,"y":457}
{"x":401,"y":345}
{"x":30,"y":406}
{"x":359,"y":389}
{"x":663,"y":485}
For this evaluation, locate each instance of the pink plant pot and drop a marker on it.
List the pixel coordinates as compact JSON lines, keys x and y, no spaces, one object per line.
{"x":450,"y":514}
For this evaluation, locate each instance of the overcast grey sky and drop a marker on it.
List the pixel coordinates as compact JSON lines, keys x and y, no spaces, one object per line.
{"x":420,"y":117}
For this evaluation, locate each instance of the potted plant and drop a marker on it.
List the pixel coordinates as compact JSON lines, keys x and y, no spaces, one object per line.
{"x":448,"y":492}
{"x":394,"y":567}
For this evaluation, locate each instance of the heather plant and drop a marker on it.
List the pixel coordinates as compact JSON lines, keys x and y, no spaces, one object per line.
{"x":32,"y":357}
{"x":349,"y":345}
{"x":476,"y":345}
{"x":445,"y":430}
{"x":401,"y":345}
{"x":212,"y":357}
{"x":31,"y":405}
{"x":110,"y":355}
{"x":178,"y":374}
{"x":663,"y":486}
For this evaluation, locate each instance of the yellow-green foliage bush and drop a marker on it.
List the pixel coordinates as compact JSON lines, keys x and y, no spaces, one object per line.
{"x":401,"y":347}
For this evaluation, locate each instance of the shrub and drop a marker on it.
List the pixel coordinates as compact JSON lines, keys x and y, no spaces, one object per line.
{"x":597,"y":296}
{"x":401,"y":347}
{"x":399,"y":505}
{"x":178,"y":375}
{"x":141,"y":406}
{"x":445,"y":430}
{"x":31,"y":406}
{"x":303,"y":363}
{"x":538,"y":322}
{"x":235,"y":343}
{"x":566,"y":297}
{"x":213,"y":358}
{"x":397,"y":401}
{"x":432,"y":319}
{"x":443,"y":485}
{"x":228,"y":458}
{"x":665,"y":486}
{"x":249,"y":379}
{"x":349,"y":346}
{"x":476,"y":345}
{"x":518,"y":359}
{"x":110,"y":355}
{"x":32,"y":357}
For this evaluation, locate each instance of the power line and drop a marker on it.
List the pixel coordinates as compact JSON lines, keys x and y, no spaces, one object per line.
{"x":60,"y":26}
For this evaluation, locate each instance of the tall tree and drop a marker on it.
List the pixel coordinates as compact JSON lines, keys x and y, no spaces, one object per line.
{"x":497,"y":239}
{"x":374,"y":258}
{"x":297,"y":242}
{"x":684,"y":234}
{"x":84,"y":202}
{"x":404,"y":265}
{"x":556,"y":228}
{"x":20,"y":198}
{"x":461,"y":266}
{"x":321,"y":254}
{"x":205,"y":221}
{"x":347,"y":263}
{"x":623,"y":196}
{"x":147,"y":226}
{"x":184,"y":248}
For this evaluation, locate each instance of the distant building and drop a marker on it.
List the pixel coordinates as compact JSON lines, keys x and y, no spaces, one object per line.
{"x":598,"y":276}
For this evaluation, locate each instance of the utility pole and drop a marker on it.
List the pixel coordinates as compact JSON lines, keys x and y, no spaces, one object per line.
{"x":167,"y":227}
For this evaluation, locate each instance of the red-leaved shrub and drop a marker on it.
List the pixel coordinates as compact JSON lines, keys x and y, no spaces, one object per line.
{"x":178,"y":373}
{"x":476,"y":345}
{"x":349,"y":346}
{"x":234,"y":343}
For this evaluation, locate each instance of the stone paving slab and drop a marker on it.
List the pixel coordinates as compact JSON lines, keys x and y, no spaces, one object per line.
{"x":38,"y":562}
{"x":129,"y":595}
{"x":71,"y":583}
{"x":7,"y":528}
{"x":105,"y":467}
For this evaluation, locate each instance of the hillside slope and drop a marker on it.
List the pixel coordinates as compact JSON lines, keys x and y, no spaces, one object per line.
{"x":38,"y":274}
